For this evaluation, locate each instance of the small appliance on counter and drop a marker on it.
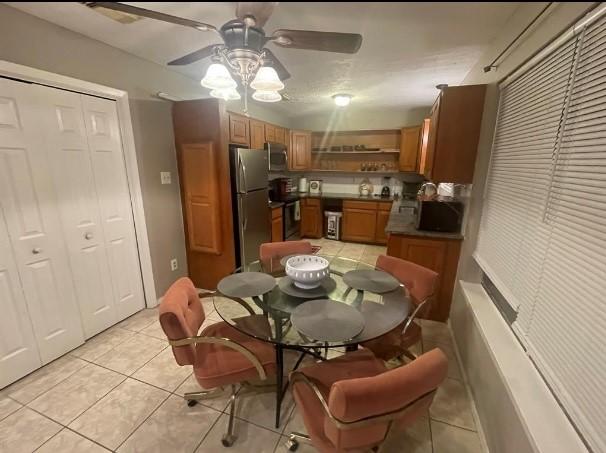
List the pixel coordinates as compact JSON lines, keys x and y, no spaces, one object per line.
{"x":442,"y":214}
{"x":315,"y":187}
{"x":386,"y":191}
{"x":303,"y":187}
{"x":366,"y":188}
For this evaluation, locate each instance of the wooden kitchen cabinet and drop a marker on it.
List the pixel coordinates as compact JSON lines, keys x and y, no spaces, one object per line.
{"x":277,"y":224}
{"x":270,"y":133}
{"x":438,"y":254}
{"x":257,"y":134}
{"x":382,"y":219}
{"x":299,"y":151}
{"x":311,"y":218}
{"x":454,"y":131}
{"x":280,"y":135}
{"x":365,"y":221}
{"x":410,"y":144}
{"x":239,"y":130}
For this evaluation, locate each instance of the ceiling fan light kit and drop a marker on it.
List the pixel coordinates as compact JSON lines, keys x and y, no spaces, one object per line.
{"x":266,"y":96}
{"x":227,"y":94}
{"x":243,"y":50}
{"x":218,"y":78}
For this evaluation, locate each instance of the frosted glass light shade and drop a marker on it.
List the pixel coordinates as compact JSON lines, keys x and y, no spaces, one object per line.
{"x":267,"y":79}
{"x":218,"y":77}
{"x":266,"y":96}
{"x":228,"y":94}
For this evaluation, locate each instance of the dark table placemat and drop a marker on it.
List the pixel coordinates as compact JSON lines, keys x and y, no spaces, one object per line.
{"x":246,"y":284}
{"x":327,"y":320}
{"x":371,"y":280}
{"x":287,"y":286}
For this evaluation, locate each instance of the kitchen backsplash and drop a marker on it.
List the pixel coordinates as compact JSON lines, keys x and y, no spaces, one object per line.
{"x":350,"y":184}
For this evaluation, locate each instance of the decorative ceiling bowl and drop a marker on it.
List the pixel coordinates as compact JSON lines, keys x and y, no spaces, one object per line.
{"x":307,"y":271}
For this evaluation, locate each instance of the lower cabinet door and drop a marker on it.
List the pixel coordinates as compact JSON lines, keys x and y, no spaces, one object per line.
{"x":311,"y":221}
{"x":359,"y":225}
{"x":382,"y":219}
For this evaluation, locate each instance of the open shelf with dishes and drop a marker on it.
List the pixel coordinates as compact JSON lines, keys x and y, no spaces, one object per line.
{"x":363,"y":151}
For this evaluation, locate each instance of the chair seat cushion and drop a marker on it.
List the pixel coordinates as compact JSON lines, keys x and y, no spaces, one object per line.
{"x":393,"y":343}
{"x":218,"y":365}
{"x":352,"y":365}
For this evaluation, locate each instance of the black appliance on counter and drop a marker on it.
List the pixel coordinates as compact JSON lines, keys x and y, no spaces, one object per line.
{"x":443,"y":214}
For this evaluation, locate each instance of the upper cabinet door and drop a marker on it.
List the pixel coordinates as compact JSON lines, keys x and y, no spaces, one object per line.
{"x":111,"y":183}
{"x":239,"y":130}
{"x":257,"y":134}
{"x":270,"y":133}
{"x":28,"y":200}
{"x":299,"y":150}
{"x":74,"y":181}
{"x":409,"y":148}
{"x":426,"y":165}
{"x":280,"y":135}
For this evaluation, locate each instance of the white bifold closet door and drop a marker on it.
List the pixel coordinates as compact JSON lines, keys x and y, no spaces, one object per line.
{"x":36,"y":237}
{"x":88,"y":169}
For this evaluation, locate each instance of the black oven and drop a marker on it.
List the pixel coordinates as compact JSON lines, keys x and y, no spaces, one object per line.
{"x":292,"y":219}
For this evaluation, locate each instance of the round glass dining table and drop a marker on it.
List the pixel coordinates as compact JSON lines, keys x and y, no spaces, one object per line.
{"x":267,"y":316}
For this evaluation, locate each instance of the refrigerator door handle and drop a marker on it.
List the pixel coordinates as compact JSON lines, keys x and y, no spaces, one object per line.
{"x":244,"y":213}
{"x":242,"y":175}
{"x":286,"y":159}
{"x":268,"y":160}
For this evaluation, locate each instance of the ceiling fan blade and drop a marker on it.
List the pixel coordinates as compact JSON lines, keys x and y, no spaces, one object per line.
{"x":152,"y":15}
{"x":259,"y":10}
{"x":194,"y":56}
{"x":273,"y":61}
{"x":317,"y":40}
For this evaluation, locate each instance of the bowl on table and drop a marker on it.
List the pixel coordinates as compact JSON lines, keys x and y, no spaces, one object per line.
{"x":307,"y":271}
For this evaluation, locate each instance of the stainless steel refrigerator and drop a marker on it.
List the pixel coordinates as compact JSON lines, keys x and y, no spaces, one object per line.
{"x":249,"y":182}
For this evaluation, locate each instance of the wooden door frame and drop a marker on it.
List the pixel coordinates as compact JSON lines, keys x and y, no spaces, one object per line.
{"x":17,"y":71}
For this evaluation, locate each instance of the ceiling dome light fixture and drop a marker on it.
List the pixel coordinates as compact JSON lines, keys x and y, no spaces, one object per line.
{"x":218,"y":78}
{"x":227,"y":94}
{"x":266,"y":96}
{"x":342,"y":100}
{"x":267,"y":80}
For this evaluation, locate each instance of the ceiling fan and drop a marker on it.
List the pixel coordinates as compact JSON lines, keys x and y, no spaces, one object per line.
{"x":243,"y":50}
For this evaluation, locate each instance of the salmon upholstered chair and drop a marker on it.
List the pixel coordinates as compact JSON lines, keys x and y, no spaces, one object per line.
{"x":271,"y":250}
{"x":420,"y":283}
{"x":352,"y":402}
{"x":220,"y":355}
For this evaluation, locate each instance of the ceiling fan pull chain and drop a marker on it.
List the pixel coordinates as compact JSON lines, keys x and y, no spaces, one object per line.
{"x":246,"y":99}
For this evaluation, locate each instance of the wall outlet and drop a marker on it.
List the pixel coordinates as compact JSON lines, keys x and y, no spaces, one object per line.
{"x":173,"y":264}
{"x":165,"y":177}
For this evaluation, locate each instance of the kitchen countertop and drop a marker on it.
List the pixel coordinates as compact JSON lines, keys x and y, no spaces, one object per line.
{"x":404,"y":223}
{"x":345,"y":196}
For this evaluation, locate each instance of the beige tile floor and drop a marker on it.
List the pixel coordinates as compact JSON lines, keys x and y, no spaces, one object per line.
{"x":122,"y":391}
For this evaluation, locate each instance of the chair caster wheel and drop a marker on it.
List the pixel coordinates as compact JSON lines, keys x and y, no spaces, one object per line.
{"x":228,"y":440}
{"x":192,"y":403}
{"x":292,"y":445}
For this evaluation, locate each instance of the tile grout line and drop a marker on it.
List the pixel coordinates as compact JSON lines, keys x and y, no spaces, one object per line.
{"x":450,"y":424}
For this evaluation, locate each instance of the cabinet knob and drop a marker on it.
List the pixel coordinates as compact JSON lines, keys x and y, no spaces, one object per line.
{"x":88,"y":236}
{"x":36,"y":250}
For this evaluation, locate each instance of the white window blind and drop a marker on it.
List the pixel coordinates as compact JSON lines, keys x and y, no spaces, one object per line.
{"x":543,"y":231}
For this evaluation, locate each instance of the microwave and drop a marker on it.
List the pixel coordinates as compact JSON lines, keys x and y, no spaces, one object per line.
{"x":277,"y":156}
{"x":443,"y":215}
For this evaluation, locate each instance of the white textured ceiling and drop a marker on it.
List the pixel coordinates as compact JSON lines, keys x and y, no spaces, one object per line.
{"x":407,"y":48}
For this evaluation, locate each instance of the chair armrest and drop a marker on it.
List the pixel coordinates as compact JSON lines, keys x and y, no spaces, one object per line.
{"x":412,"y":317}
{"x":228,"y":344}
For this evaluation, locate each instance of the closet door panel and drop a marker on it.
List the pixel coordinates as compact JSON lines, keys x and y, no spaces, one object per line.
{"x":29,"y":203}
{"x":18,"y":350}
{"x":103,"y":134}
{"x":77,"y":202}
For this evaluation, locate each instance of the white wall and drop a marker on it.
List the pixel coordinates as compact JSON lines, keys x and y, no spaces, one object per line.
{"x":491,"y":393}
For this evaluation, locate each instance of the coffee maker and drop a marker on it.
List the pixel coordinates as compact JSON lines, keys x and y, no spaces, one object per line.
{"x":386,"y":191}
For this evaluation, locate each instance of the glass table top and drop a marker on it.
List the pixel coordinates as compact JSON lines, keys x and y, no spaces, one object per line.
{"x":267,"y":317}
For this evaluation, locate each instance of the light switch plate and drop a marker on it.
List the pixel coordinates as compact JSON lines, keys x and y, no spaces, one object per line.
{"x":173,"y":264}
{"x":165,"y":177}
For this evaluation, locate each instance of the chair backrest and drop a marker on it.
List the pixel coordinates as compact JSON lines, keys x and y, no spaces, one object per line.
{"x":271,"y":250}
{"x":405,"y":392}
{"x":419,"y":280}
{"x":181,"y":315}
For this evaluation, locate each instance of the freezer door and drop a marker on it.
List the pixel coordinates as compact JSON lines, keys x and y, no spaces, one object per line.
{"x":254,"y":224}
{"x":251,"y":170}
